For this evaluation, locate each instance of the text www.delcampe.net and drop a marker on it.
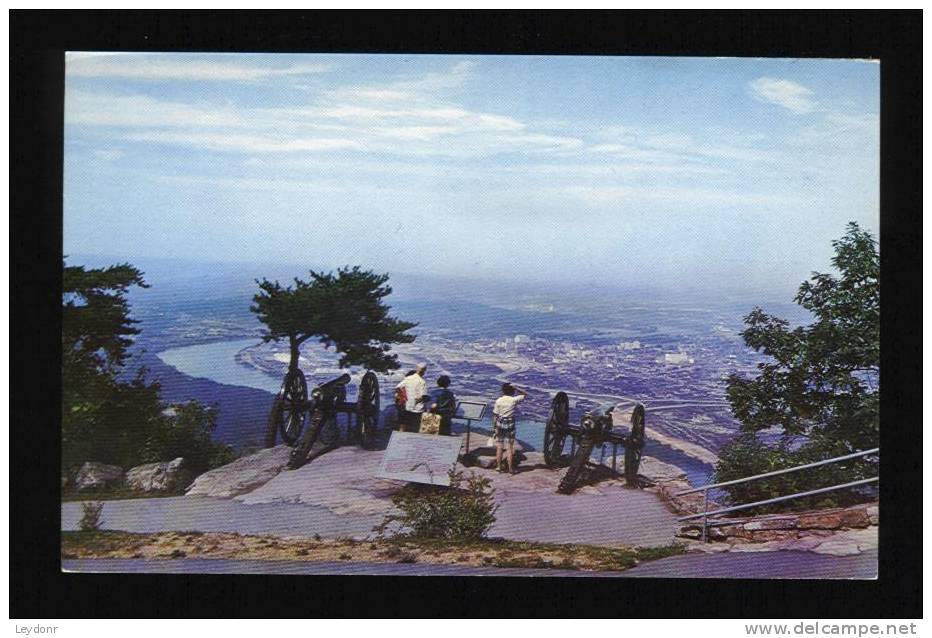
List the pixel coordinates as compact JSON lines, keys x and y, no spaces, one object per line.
{"x":830,"y":629}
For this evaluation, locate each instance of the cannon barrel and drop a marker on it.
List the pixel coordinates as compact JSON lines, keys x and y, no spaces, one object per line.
{"x":333,"y":384}
{"x":603,"y":410}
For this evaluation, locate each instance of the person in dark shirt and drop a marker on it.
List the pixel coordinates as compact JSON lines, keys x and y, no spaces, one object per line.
{"x":443,"y":402}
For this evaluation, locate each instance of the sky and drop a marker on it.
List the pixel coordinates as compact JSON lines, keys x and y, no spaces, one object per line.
{"x":695,"y":172}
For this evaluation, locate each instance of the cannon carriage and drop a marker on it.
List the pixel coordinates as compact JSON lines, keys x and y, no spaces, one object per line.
{"x":301,"y":420}
{"x":596,"y":429}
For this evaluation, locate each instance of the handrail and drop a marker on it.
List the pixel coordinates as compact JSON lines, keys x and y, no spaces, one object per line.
{"x":778,"y":472}
{"x":778,"y":499}
{"x":705,"y":513}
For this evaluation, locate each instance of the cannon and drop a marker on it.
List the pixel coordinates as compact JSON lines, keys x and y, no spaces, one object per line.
{"x":596,"y":428}
{"x":291,"y":409}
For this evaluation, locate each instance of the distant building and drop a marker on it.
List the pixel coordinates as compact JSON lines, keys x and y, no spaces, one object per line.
{"x":522,"y":339}
{"x":630,"y":345}
{"x":677,"y":358}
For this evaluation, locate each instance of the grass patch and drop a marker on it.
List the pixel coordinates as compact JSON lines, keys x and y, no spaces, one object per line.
{"x":115,"y":494}
{"x":491,"y":552}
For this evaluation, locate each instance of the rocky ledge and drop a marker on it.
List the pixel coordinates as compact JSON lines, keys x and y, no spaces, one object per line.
{"x":165,"y":477}
{"x":838,"y":531}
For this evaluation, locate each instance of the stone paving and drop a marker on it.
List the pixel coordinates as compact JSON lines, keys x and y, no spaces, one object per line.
{"x":337,"y":494}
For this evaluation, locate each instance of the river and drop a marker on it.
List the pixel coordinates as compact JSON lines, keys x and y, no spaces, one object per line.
{"x":217,"y":362}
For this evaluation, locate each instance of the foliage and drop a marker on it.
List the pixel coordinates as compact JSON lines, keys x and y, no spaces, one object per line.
{"x":96,"y":327}
{"x":344,"y":310}
{"x":105,"y":416}
{"x":184,"y":430}
{"x":819,"y":385}
{"x":820,"y":380}
{"x":748,"y":455}
{"x":90,"y":516}
{"x":455,"y":513}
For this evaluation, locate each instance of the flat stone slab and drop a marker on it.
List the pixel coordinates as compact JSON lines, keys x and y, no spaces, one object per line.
{"x":242,"y":475}
{"x":208,"y":514}
{"x":342,"y":480}
{"x":337,"y":494}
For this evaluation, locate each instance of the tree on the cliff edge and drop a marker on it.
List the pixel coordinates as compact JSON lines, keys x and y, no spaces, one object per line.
{"x":819,"y":382}
{"x":108,"y":416}
{"x":343,"y":310}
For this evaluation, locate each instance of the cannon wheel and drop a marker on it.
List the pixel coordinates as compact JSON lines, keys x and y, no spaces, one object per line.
{"x":634,"y":447}
{"x":555,"y":432}
{"x":367,"y":409}
{"x":287,"y":415}
{"x":300,"y":451}
{"x":292,"y":414}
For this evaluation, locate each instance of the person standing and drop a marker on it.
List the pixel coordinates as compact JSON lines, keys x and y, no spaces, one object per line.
{"x":443,"y":402}
{"x":503,"y":423}
{"x":416,"y":395}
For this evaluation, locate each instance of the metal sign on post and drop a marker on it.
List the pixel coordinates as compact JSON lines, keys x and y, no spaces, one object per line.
{"x":469,"y":411}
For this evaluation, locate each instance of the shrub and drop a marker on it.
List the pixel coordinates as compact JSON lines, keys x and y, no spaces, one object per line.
{"x":749,"y":455}
{"x":90,"y":516}
{"x":185,"y":430}
{"x":464,"y":511}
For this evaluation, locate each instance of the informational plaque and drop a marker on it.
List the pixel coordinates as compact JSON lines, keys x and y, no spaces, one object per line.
{"x":470,"y":410}
{"x":420,"y":458}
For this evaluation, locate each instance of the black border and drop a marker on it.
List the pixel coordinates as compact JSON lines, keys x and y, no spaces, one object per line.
{"x":38,"y":38}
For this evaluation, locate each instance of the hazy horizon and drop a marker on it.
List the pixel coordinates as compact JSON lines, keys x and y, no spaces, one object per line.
{"x":409,"y":286}
{"x":723,"y":175}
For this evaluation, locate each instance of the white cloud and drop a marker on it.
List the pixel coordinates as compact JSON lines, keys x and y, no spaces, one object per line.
{"x":100,"y":109}
{"x":108,"y":155}
{"x":410,"y":117}
{"x":614,"y":195}
{"x":153,"y":68}
{"x":245,"y":143}
{"x":785,"y":93}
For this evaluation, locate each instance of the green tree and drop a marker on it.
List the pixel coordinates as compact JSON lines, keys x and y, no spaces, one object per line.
{"x":819,"y":384}
{"x":344,"y":310}
{"x":96,"y":326}
{"x":820,"y":380}
{"x":105,"y":416}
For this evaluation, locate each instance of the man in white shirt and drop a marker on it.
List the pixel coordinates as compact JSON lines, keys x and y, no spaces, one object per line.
{"x":503,"y":423}
{"x":416,"y":391}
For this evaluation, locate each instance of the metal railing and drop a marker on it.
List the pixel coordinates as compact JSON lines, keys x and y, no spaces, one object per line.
{"x":705,"y":514}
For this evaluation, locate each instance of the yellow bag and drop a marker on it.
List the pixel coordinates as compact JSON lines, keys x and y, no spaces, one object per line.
{"x":430,"y":423}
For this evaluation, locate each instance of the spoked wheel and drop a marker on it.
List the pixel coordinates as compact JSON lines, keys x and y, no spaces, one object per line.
{"x":287,"y":414}
{"x":634,"y":446}
{"x":576,"y":471}
{"x":367,"y":409}
{"x":303,"y":447}
{"x":292,"y":407}
{"x":555,"y":432}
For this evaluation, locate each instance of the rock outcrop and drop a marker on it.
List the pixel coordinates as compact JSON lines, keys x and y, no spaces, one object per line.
{"x":95,"y":476}
{"x":242,"y":475}
{"x":484,"y":456}
{"x":160,"y":477}
{"x":837,"y":531}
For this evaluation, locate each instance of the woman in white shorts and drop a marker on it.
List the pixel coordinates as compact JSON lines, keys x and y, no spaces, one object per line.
{"x":503,"y":422}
